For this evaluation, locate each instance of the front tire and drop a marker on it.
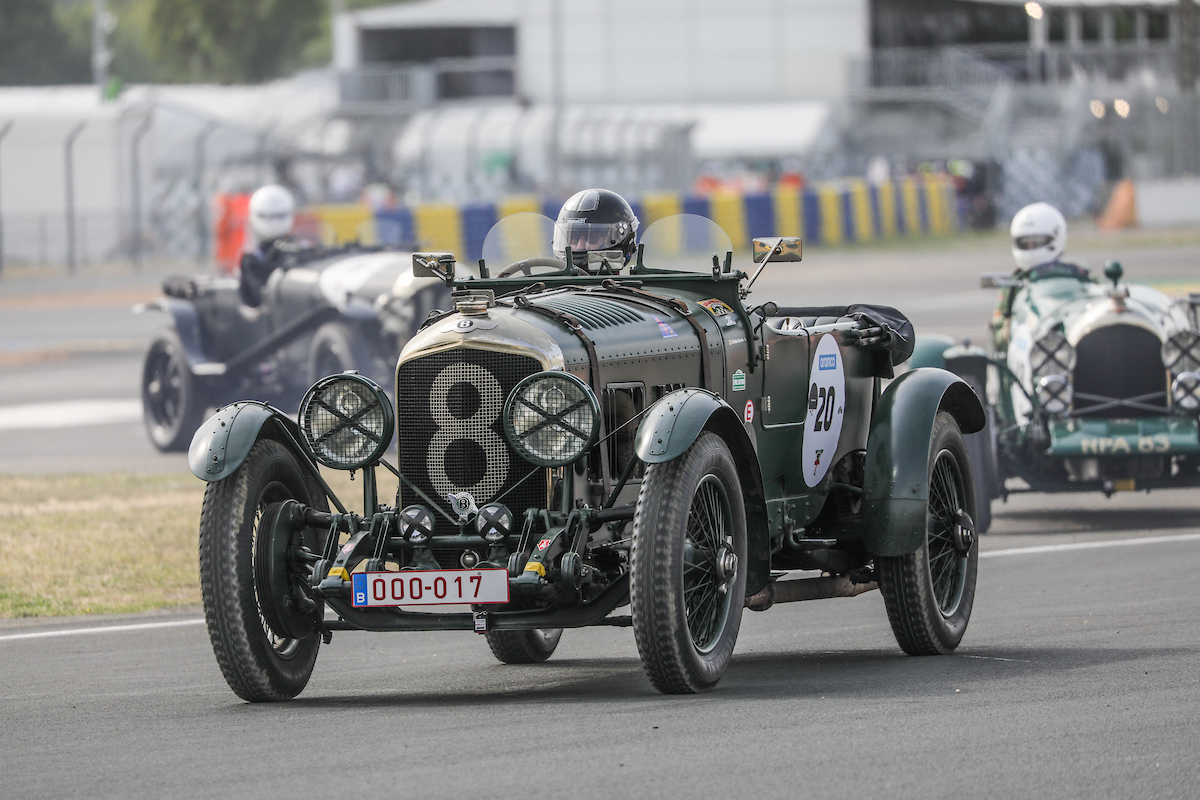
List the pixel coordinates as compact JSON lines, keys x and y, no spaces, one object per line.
{"x":173,"y":405}
{"x":523,"y":647}
{"x":259,"y":664}
{"x":688,"y":572}
{"x":929,"y":593}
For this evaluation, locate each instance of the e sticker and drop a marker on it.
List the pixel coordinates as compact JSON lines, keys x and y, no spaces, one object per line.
{"x":749,"y":415}
{"x":826,"y":409}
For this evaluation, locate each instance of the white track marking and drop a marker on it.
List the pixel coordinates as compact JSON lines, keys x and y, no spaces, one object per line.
{"x":141,"y":626}
{"x":1015,"y":551}
{"x":69,"y":414}
{"x":1059,"y":548}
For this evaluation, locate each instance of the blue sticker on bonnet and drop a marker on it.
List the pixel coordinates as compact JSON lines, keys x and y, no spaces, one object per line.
{"x":666,"y":330}
{"x":827,"y":362}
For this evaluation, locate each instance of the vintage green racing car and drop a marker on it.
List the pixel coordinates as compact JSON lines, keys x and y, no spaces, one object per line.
{"x":603,"y":426}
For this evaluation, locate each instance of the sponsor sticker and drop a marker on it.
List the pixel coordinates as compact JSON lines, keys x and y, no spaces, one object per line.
{"x":739,"y":381}
{"x":749,"y":415}
{"x":543,"y":544}
{"x":717,"y":308}
{"x":666,"y":330}
{"x":827,"y":361}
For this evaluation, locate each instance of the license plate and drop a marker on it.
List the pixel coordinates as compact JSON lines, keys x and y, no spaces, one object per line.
{"x":429,"y":587}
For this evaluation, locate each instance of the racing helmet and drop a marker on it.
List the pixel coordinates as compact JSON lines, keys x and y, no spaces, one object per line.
{"x":595,"y":219}
{"x":272,"y":211}
{"x":1039,"y":235}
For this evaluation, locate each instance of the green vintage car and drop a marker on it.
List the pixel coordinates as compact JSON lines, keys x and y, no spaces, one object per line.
{"x":1093,"y":385}
{"x":617,"y":444}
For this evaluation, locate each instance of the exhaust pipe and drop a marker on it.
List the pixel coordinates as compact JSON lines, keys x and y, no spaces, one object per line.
{"x":806,"y":589}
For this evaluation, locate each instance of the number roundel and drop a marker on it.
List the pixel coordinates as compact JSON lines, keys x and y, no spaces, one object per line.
{"x":476,"y":427}
{"x":826,"y":409}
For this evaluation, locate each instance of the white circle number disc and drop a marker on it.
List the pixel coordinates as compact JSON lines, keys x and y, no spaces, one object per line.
{"x":826,"y":409}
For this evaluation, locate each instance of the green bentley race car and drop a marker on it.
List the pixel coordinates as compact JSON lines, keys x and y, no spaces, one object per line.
{"x":587,"y":431}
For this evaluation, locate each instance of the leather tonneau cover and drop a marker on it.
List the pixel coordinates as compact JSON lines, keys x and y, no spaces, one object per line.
{"x":902,"y":343}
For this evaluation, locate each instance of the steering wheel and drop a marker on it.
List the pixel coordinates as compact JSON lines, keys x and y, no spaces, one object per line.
{"x":526,"y":266}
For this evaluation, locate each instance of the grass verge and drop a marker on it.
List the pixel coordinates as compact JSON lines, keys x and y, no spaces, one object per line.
{"x":109,"y":544}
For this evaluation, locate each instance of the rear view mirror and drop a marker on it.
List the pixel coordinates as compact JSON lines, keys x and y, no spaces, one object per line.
{"x":785,"y":248}
{"x":998,"y":280}
{"x":433,"y":265}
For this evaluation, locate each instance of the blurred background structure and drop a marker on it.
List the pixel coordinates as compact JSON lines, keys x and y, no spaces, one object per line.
{"x":132,"y":129}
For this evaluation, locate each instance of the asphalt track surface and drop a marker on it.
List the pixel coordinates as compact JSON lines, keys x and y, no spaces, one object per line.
{"x":1078,"y":677}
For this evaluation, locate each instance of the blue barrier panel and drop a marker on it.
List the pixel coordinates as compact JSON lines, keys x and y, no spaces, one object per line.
{"x":876,"y":217}
{"x":696,"y":237}
{"x":696,"y":205}
{"x":551,"y":208}
{"x":901,"y":212}
{"x":812,"y":215}
{"x":477,"y":220}
{"x":394,"y":226}
{"x":848,"y":228}
{"x":760,"y":215}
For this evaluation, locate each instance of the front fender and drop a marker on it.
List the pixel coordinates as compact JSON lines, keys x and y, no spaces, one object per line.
{"x":674,"y":422}
{"x":897,"y":473}
{"x":222,"y":443}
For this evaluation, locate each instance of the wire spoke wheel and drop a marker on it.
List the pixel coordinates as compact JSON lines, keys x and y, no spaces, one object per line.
{"x":688,"y":577}
{"x":929,"y":593}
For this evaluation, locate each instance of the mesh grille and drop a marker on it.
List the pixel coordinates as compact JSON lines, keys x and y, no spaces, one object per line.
{"x":451,"y":430}
{"x":1120,"y":362}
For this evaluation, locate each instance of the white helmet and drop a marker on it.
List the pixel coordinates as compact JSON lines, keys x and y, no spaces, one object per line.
{"x":1039,"y":235}
{"x":272,"y":212}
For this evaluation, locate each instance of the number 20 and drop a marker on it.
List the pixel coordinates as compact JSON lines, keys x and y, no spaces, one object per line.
{"x":821,"y":399}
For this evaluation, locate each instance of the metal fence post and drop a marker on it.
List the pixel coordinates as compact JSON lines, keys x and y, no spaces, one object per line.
{"x":3,"y":132}
{"x":69,"y":165}
{"x":201,"y":201}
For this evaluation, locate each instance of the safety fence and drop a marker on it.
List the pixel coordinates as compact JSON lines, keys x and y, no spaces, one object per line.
{"x":831,"y":213}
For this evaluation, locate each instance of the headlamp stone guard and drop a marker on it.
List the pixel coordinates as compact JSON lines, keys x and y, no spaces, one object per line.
{"x":314,"y":394}
{"x":517,"y":441}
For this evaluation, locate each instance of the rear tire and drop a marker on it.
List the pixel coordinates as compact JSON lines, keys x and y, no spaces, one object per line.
{"x":259,"y":664}
{"x":929,"y":593}
{"x":524,"y":647}
{"x":173,"y":404}
{"x":688,"y":574}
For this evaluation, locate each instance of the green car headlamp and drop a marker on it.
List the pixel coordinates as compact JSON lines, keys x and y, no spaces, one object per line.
{"x":551,"y":418}
{"x":347,"y":421}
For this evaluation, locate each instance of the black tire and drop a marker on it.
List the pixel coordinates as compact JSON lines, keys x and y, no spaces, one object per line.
{"x":523,"y":647}
{"x":929,"y":593}
{"x":173,"y":404}
{"x":686,"y":594}
{"x":336,"y":347}
{"x":258,"y":664}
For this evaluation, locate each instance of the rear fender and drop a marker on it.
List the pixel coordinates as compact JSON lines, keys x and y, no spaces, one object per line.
{"x":897,"y":470}
{"x":674,"y":423}
{"x":222,"y":443}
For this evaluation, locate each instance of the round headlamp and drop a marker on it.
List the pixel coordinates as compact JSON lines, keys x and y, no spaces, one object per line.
{"x":1052,"y":355}
{"x":551,"y":418}
{"x":1054,"y":394}
{"x":347,"y":421}
{"x":1181,"y":352}
{"x":1185,"y":392}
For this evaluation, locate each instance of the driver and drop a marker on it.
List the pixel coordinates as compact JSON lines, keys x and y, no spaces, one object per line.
{"x":595,"y":219}
{"x":1039,"y":237}
{"x":272,"y":213}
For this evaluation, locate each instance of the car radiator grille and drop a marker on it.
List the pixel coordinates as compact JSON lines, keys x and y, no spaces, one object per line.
{"x":1119,"y":362}
{"x":452,"y":435}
